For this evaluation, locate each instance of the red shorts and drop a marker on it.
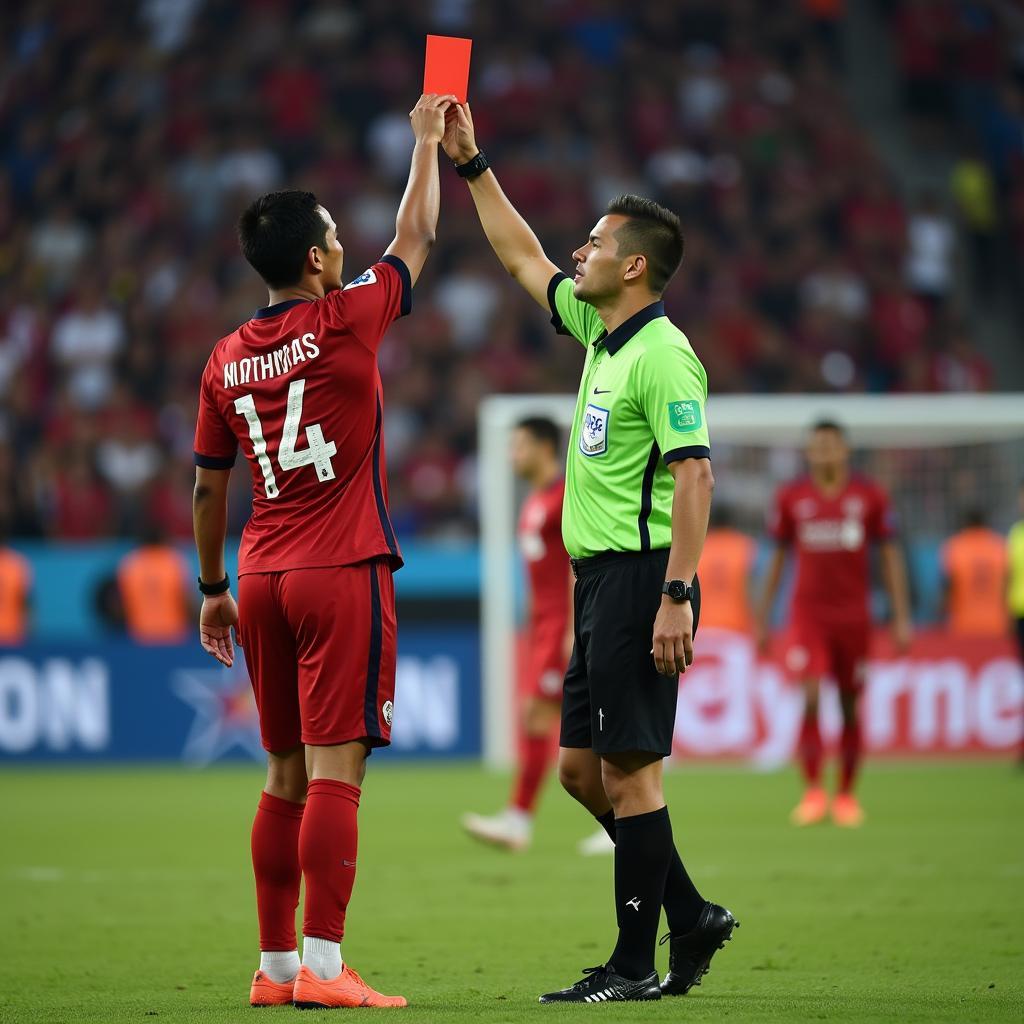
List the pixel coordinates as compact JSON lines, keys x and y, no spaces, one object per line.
{"x":320,"y":648}
{"x":545,"y":663}
{"x":814,"y":650}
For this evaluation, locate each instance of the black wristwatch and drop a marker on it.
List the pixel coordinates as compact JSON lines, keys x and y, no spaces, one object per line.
{"x":212,"y":589}
{"x":678,"y":591}
{"x":473,"y":168}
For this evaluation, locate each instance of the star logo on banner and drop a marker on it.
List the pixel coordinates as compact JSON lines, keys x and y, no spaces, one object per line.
{"x":226,"y":715}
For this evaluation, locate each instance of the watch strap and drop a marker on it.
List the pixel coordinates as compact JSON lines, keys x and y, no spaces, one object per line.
{"x":474,"y":168}
{"x":213,"y":589}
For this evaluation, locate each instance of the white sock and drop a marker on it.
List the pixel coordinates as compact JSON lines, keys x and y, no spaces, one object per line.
{"x":280,"y":966}
{"x":322,"y":957}
{"x":519,"y":819}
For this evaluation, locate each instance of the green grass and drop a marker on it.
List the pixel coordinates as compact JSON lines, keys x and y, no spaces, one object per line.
{"x":127,"y":896}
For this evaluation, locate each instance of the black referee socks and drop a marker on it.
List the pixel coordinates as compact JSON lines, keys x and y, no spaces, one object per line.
{"x":643,"y":853}
{"x":682,"y":902}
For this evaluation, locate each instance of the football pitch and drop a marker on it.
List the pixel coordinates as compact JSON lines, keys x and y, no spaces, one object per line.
{"x":126,"y":895}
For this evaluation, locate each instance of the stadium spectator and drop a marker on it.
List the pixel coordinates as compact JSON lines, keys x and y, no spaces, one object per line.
{"x":725,"y":571}
{"x":15,"y":588}
{"x":974,"y":568}
{"x":154,"y":585}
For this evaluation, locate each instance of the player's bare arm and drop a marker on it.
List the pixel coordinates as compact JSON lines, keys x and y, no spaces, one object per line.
{"x":691,"y":510}
{"x":511,"y":238}
{"x":894,"y":576}
{"x":416,"y":224}
{"x":772,"y":579}
{"x":209,"y":523}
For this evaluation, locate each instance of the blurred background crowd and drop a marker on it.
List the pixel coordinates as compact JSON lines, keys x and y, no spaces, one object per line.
{"x":818,"y":258}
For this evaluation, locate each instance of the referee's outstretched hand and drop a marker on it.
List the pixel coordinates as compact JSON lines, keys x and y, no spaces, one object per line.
{"x":673,"y":637}
{"x":218,"y":614}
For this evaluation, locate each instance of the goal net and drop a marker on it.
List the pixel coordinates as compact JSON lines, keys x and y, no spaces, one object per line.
{"x":937,"y":455}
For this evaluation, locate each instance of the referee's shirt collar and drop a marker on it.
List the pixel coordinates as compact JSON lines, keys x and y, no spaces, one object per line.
{"x":614,"y":341}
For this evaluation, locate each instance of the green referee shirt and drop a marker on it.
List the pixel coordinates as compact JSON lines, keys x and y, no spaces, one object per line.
{"x":640,"y":406}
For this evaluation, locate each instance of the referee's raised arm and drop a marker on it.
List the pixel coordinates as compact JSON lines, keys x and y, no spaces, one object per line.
{"x":510,"y":236}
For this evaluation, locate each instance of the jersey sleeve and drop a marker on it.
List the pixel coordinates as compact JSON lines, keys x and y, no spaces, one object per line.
{"x":570,"y":315}
{"x":215,"y":444}
{"x":672,"y":390}
{"x":781,"y":527}
{"x":881,"y":524}
{"x":367,"y":306}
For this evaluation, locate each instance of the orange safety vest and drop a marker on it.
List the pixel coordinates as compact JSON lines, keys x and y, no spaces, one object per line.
{"x":152,"y":584}
{"x":725,"y":567}
{"x":974,"y":561}
{"x":15,"y":581}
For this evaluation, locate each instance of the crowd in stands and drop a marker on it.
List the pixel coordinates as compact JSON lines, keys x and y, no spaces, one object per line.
{"x":962,"y":69}
{"x":133,"y":133}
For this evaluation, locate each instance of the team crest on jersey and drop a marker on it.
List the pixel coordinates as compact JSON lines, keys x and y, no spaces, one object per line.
{"x":685,"y":417}
{"x":594,"y":431}
{"x":388,"y":711}
{"x":853,"y":506}
{"x":366,"y":277}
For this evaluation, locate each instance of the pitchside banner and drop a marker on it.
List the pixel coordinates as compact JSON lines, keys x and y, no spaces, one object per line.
{"x":118,"y":701}
{"x":947,"y":696}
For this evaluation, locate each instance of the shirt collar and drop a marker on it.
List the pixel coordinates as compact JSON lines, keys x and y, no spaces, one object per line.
{"x":278,"y":307}
{"x":614,"y":341}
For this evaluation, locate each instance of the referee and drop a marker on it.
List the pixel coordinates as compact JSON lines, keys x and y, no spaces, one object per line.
{"x":637,"y":499}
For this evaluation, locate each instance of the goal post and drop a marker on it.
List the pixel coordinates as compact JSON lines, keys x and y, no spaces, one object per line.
{"x":935,"y":454}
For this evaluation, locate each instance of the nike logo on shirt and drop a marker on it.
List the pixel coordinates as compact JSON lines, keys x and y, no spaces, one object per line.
{"x":602,"y":391}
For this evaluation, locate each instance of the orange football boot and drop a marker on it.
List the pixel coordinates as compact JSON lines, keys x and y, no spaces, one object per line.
{"x":847,"y":811}
{"x":812,"y":807}
{"x":267,"y":992}
{"x":347,"y":989}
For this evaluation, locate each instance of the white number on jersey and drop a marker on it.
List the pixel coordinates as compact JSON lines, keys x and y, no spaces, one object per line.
{"x":318,"y":453}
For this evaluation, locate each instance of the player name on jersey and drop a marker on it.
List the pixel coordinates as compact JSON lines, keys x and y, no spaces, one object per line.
{"x":273,"y":364}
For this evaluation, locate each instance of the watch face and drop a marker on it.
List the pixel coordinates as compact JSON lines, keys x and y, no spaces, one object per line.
{"x":677,"y":590}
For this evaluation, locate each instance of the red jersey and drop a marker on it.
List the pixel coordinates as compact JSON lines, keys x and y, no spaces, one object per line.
{"x":298,"y":388}
{"x":547,"y":564}
{"x":831,"y":536}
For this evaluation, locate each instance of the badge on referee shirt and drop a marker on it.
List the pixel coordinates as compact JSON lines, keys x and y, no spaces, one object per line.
{"x":684,"y":417}
{"x":594,"y":431}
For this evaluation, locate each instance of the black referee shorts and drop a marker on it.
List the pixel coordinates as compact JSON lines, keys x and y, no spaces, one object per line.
{"x":614,"y":700}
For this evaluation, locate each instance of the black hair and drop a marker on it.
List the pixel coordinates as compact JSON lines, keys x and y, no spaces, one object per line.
{"x":827,"y":424}
{"x":974,"y":517}
{"x":653,"y":231}
{"x":542,"y":429}
{"x":276,"y":232}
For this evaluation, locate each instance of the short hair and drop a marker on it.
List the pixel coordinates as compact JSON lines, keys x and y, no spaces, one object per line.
{"x":276,"y":232}
{"x":973,"y":517}
{"x":655,"y":232}
{"x":826,"y":424}
{"x":541,"y":428}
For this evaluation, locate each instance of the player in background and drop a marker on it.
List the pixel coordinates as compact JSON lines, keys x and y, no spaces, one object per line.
{"x":298,"y":389}
{"x":726,"y":569}
{"x":1015,"y":585}
{"x":830,"y":517}
{"x":548,"y":641}
{"x":974,"y":575}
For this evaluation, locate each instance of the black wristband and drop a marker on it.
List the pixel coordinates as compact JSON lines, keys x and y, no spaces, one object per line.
{"x":212,"y":589}
{"x":474,"y":168}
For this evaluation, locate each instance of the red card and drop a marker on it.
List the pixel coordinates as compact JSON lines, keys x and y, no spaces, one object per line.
{"x":446,"y":69}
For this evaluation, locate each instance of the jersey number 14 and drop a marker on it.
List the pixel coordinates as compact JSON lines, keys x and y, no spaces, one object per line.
{"x":318,"y":454}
